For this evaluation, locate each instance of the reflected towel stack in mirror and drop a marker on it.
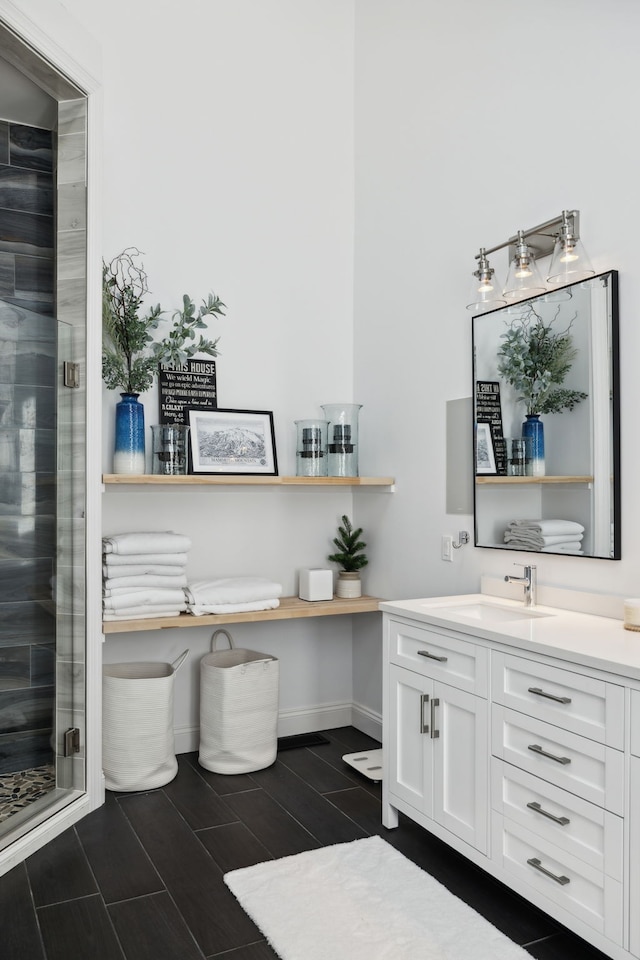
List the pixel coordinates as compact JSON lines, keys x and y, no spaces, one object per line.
{"x":545,"y":536}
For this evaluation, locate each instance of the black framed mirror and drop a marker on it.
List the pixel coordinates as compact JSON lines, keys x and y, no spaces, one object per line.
{"x":546,"y":406}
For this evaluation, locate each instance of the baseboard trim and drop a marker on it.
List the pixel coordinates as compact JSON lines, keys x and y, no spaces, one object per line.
{"x":326,"y":716}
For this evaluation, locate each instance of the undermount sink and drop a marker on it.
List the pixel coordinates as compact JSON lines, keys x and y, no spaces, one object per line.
{"x":488,"y":612}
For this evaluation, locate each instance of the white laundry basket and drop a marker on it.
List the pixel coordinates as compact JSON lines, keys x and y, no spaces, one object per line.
{"x":238,"y":709}
{"x":138,"y":749}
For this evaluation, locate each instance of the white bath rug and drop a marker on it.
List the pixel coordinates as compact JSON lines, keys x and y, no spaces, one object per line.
{"x":363,"y":901}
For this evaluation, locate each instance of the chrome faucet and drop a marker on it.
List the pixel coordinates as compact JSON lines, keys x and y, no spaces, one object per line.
{"x":528,"y":581}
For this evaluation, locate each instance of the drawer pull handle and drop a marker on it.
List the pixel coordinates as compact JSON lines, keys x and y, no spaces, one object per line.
{"x":549,"y":696}
{"x":431,"y":656}
{"x":534,"y":862}
{"x":563,"y":821}
{"x":435,"y":702}
{"x":424,"y":700}
{"x":536,"y":748}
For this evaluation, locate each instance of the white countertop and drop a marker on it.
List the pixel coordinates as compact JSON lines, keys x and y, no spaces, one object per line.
{"x":578,"y":638}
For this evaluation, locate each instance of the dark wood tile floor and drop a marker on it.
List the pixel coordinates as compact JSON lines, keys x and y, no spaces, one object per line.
{"x":141,"y":878}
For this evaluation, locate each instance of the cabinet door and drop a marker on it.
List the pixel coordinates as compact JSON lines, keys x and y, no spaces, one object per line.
{"x":410,"y":752}
{"x":460,"y":757}
{"x":634,"y":857}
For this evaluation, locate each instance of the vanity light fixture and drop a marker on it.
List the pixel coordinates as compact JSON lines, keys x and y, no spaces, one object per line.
{"x":523,"y":279}
{"x":485,"y":289}
{"x":569,"y":263}
{"x":559,"y":236}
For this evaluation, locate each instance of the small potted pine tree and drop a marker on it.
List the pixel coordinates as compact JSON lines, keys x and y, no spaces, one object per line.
{"x":350,"y":557}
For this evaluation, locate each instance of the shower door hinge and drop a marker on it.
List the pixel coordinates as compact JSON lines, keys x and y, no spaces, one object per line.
{"x":71,"y":374}
{"x":71,"y":741}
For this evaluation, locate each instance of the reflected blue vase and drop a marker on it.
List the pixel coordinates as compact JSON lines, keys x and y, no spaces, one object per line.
{"x":533,"y":429}
{"x":128,"y":456}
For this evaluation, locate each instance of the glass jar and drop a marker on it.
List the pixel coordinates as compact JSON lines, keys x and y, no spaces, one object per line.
{"x":342,"y":442}
{"x":170,"y":449}
{"x":311,"y":448}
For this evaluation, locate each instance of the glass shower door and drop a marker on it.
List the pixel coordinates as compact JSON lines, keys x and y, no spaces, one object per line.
{"x":41,"y":572}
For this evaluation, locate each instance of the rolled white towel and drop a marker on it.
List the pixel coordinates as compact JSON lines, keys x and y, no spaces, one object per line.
{"x":232,"y":590}
{"x":142,"y":613}
{"x":141,"y":569}
{"x":135,"y":559}
{"x":163,"y":598}
{"x":201,"y":610}
{"x":126,"y":544}
{"x":145,"y":580}
{"x":547,"y":528}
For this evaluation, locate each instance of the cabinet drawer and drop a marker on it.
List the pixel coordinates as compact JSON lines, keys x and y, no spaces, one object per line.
{"x":584,"y":705}
{"x":586,"y":768}
{"x":569,"y":883}
{"x":570,"y":824}
{"x":440,"y":656}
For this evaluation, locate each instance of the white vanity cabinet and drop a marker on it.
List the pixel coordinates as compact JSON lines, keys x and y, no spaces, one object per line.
{"x":436,"y":691}
{"x":514,"y":736}
{"x":634,"y":825}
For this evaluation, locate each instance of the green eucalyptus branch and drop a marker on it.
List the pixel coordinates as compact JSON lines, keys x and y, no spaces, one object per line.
{"x":535,"y":359}
{"x":130,"y":353}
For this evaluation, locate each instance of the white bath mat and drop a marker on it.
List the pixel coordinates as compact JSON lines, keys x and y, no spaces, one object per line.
{"x":367,"y":762}
{"x":363,"y":901}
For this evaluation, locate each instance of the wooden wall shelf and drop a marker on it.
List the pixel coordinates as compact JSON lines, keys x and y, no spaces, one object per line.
{"x":530,"y":480}
{"x":227,"y":480}
{"x":291,"y":608}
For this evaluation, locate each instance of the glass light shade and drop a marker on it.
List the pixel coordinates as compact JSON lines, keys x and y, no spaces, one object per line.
{"x":484,"y":293}
{"x":523,"y":279}
{"x":569,"y":263}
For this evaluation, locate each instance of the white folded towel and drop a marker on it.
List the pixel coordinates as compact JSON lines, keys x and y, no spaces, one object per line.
{"x":521,"y":536}
{"x":547,"y":528}
{"x":200,"y":610}
{"x":572,"y":548}
{"x":232,"y":590}
{"x":140,"y":569}
{"x":163,"y":598}
{"x":133,"y":559}
{"x":145,"y":580}
{"x":153,"y":542}
{"x":143,"y":613}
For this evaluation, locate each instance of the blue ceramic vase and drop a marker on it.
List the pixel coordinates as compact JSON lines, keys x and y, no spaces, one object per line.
{"x":129,"y":448}
{"x":533,"y":429}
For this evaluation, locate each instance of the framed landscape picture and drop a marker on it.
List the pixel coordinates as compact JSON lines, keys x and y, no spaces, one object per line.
{"x":240,"y":442}
{"x":485,"y":454}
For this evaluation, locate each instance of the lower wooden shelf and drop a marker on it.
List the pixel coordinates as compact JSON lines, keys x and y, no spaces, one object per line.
{"x":291,"y":608}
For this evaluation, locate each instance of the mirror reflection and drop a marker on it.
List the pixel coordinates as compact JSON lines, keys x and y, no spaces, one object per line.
{"x":546,"y":423}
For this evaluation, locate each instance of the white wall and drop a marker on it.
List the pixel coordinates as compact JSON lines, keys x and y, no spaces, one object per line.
{"x":229,"y":159}
{"x":473,"y":121}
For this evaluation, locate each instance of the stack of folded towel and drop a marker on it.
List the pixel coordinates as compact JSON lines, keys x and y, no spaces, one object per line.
{"x":144,"y":575}
{"x":232,"y":595}
{"x":546,"y":536}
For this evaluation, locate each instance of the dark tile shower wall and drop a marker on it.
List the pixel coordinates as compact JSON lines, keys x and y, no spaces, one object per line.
{"x":27,"y":446}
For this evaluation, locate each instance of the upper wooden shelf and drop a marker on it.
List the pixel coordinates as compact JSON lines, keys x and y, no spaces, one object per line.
{"x":232,"y":480}
{"x":530,"y":480}
{"x":291,"y":608}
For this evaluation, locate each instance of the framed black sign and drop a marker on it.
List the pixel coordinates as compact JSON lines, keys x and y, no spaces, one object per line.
{"x":182,"y":388}
{"x":489,"y":411}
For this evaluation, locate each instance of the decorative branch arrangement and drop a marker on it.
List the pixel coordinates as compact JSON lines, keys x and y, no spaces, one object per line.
{"x":535,"y":359}
{"x":130,"y":354}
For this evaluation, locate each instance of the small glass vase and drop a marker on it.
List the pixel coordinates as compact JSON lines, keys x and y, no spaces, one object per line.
{"x":342,"y":442}
{"x":128,"y":457}
{"x":170,"y":447}
{"x":311,"y":448}
{"x":533,"y":429}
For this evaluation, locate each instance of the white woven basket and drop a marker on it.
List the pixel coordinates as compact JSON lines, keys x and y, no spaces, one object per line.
{"x":138,"y":749}
{"x":238,"y":709}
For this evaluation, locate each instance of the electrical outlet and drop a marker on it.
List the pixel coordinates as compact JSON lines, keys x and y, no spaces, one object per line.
{"x":446,"y":550}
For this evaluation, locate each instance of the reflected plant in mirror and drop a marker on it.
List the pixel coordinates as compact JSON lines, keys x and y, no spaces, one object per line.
{"x":554,"y":355}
